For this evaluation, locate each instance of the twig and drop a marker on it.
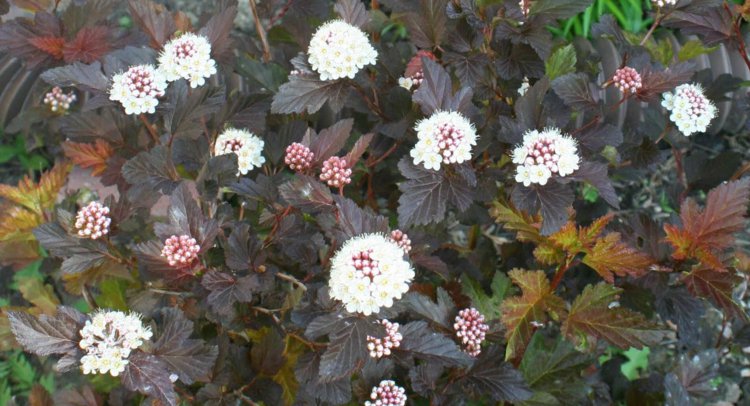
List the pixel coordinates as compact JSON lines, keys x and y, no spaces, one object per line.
{"x":88,"y":297}
{"x":657,"y":21}
{"x":738,"y":33}
{"x":150,"y":129}
{"x":261,"y":32}
{"x":385,"y":154}
{"x":282,"y":12}
{"x":292,"y":279}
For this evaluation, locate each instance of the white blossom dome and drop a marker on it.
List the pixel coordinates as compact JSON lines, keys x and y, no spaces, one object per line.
{"x":339,"y":49}
{"x":247,"y":146}
{"x":691,"y":110}
{"x":445,"y":137}
{"x":108,"y":338}
{"x":544,"y":154}
{"x":138,"y":89}
{"x":187,"y":57}
{"x":369,"y":272}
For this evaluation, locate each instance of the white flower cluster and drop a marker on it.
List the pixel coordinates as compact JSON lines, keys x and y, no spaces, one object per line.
{"x":338,"y":50}
{"x":369,"y":272}
{"x":387,"y":393}
{"x":445,"y":137}
{"x":108,"y":338}
{"x":58,"y":101}
{"x":691,"y":111}
{"x":663,"y":3}
{"x":524,"y":86}
{"x":246,"y":145}
{"x":138,"y":89}
{"x":543,"y":154}
{"x":188,"y":57}
{"x":93,"y":221}
{"x":381,"y":347}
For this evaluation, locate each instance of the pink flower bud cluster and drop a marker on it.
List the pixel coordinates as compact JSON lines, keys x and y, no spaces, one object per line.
{"x":402,"y":240}
{"x":59,"y":101}
{"x":387,"y":393}
{"x":93,"y":221}
{"x":180,"y":251}
{"x":471,"y":329}
{"x":298,"y":157}
{"x":381,"y":347}
{"x":336,"y":172}
{"x":627,"y":79}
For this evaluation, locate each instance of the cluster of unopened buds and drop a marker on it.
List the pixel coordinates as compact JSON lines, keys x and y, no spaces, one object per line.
{"x":403,"y":241}
{"x":381,"y":347}
{"x":627,"y":79}
{"x":180,"y":251}
{"x":387,"y":393}
{"x":298,"y":157}
{"x":57,"y":101}
{"x":92,"y":221}
{"x":471,"y":329}
{"x":336,"y":172}
{"x":108,"y":338}
{"x":138,"y":89}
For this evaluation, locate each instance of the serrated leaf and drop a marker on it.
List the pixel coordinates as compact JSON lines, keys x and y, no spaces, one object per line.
{"x":243,"y":251}
{"x":427,"y":23}
{"x":499,"y":380}
{"x":519,"y":312}
{"x":151,"y":171}
{"x":488,"y":305}
{"x":191,"y":359}
{"x":86,"y":156}
{"x":425,"y":195}
{"x":330,"y":140}
{"x":593,"y":316}
{"x":347,"y":350}
{"x":185,"y":108}
{"x":218,"y":29}
{"x":576,"y":92}
{"x":154,"y":19}
{"x":526,"y":226}
{"x":558,"y":9}
{"x":307,"y":93}
{"x":353,"y":12}
{"x":561,"y":62}
{"x":609,"y":256}
{"x":48,"y":335}
{"x":147,"y":374}
{"x":226,"y":290}
{"x":39,"y":294}
{"x":78,"y":74}
{"x":79,"y":254}
{"x":554,"y":370}
{"x":354,"y":220}
{"x":37,"y":197}
{"x":307,"y":194}
{"x":693,"y":49}
{"x":551,"y":201}
{"x":437,"y":312}
{"x":423,"y":343}
{"x":38,"y":42}
{"x":706,"y":233}
{"x":713,"y":25}
{"x":76,"y":396}
{"x":718,"y":287}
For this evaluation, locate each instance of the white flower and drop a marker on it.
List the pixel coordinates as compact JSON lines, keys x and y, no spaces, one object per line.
{"x":369,"y":272}
{"x":406,"y":83}
{"x":338,"y":50}
{"x":524,"y":86}
{"x":108,"y":338}
{"x":445,"y":137}
{"x":690,"y":110}
{"x":138,"y":89}
{"x":662,"y":3}
{"x":544,"y":154}
{"x":188,"y":57}
{"x":246,"y":145}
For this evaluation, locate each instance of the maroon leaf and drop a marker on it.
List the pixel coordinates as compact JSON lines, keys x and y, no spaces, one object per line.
{"x":82,"y":396}
{"x":553,"y":200}
{"x":307,"y":93}
{"x":307,"y":194}
{"x":354,"y":220}
{"x":331,"y":140}
{"x":358,"y":149}
{"x":713,"y":25}
{"x":38,"y":42}
{"x":353,"y":12}
{"x":498,"y":379}
{"x":243,"y":251}
{"x":154,"y":19}
{"x":658,"y":81}
{"x":89,"y":44}
{"x":48,"y":335}
{"x":347,"y":350}
{"x":217,"y":30}
{"x":717,"y":287}
{"x":226,"y":290}
{"x":427,"y":23}
{"x":192,"y":360}
{"x":147,"y":374}
{"x":435,"y":91}
{"x":89,"y":77}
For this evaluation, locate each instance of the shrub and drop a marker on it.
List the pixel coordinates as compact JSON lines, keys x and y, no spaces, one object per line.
{"x":383,"y":202}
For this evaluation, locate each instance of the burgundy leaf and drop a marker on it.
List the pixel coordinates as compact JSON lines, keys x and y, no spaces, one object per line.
{"x":149,"y":375}
{"x":46,"y":334}
{"x":226,"y":290}
{"x":154,"y":19}
{"x":217,"y":30}
{"x":353,"y":12}
{"x":192,"y":360}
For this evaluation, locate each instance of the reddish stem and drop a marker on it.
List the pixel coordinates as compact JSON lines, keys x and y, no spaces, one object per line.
{"x":151,"y":130}
{"x":561,"y":272}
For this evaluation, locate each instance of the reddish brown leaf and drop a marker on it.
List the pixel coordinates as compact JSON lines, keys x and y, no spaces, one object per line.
{"x":521,"y":312}
{"x":92,"y":156}
{"x":90,"y":44}
{"x":609,"y":256}
{"x":39,"y":396}
{"x":49,"y":44}
{"x":595,"y":314}
{"x":154,"y":19}
{"x":717,"y":287}
{"x":705,"y":234}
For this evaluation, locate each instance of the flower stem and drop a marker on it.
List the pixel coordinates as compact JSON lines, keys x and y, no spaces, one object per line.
{"x":261,"y":32}
{"x":151,"y":130}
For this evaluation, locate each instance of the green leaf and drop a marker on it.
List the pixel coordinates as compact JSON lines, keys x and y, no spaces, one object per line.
{"x":112,"y":295}
{"x":561,"y":62}
{"x":21,"y":371}
{"x":5,"y":392}
{"x":694,"y":48}
{"x":268,"y":75}
{"x":553,"y":371}
{"x":488,"y":305}
{"x":637,"y":362}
